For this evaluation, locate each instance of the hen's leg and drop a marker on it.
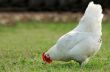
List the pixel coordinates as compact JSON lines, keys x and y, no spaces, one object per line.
{"x":83,"y":63}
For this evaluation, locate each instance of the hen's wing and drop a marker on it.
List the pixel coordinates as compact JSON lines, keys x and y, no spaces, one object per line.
{"x":85,"y":48}
{"x":70,"y":39}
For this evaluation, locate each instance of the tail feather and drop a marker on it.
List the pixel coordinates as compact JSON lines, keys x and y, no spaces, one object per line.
{"x":92,"y":19}
{"x":93,"y":13}
{"x":93,"y":10}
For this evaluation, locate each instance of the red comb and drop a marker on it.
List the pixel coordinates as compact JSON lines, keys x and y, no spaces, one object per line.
{"x":43,"y":56}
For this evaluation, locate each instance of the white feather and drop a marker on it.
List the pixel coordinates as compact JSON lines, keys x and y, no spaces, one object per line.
{"x":82,"y":42}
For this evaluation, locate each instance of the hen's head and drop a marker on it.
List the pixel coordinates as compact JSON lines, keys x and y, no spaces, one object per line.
{"x":46,"y":58}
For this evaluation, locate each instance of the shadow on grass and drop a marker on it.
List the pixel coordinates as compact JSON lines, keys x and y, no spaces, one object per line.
{"x":73,"y":66}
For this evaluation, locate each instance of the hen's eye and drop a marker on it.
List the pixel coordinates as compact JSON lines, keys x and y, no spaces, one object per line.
{"x":47,"y":55}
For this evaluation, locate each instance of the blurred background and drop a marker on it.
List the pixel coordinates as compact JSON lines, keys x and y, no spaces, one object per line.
{"x":12,"y":11}
{"x":30,"y":27}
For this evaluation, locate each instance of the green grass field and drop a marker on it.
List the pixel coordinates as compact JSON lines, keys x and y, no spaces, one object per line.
{"x":21,"y":48}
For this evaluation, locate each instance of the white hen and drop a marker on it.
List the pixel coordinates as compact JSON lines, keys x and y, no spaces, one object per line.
{"x":81,"y":43}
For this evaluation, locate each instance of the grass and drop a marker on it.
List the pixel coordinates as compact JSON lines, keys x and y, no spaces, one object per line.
{"x":21,"y":48}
